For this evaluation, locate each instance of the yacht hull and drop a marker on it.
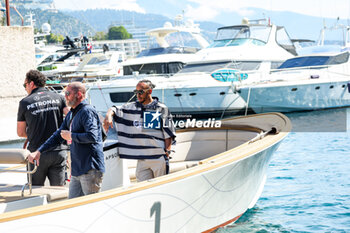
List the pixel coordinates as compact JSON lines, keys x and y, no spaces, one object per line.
{"x":290,"y":97}
{"x":195,"y":101}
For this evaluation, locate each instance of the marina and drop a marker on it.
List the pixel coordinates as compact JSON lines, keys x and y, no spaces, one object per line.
{"x":262,"y":120}
{"x":305,"y":186}
{"x":206,"y":85}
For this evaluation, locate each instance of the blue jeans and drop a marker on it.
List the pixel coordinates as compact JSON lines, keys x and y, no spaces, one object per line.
{"x":85,"y":184}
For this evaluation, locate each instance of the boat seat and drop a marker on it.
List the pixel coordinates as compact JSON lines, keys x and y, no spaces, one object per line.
{"x":10,"y":193}
{"x":173,"y":167}
{"x":13,"y":156}
{"x":17,"y":156}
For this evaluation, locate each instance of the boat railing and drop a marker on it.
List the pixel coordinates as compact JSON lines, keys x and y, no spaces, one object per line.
{"x":18,"y":156}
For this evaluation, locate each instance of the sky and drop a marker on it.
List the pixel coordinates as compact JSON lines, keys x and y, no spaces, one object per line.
{"x":209,"y":10}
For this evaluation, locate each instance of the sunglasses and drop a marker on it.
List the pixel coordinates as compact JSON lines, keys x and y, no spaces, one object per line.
{"x":140,"y":92}
{"x":25,"y":85}
{"x":67,"y":93}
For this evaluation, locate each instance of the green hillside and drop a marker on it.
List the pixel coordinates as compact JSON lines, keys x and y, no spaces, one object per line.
{"x":88,"y":22}
{"x":60,"y":22}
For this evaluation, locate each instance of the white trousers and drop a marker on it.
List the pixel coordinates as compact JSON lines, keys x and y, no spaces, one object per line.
{"x":150,"y":168}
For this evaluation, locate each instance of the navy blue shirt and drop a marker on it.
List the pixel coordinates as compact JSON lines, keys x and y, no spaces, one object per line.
{"x":87,"y":146}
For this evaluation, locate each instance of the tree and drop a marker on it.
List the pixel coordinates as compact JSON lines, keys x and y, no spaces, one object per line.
{"x":52,"y":38}
{"x":100,"y":36}
{"x":118,"y":33}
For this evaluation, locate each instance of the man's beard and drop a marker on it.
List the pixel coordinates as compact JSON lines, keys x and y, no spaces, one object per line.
{"x":72,"y":103}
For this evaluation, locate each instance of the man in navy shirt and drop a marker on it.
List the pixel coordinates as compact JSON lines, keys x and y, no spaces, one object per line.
{"x":82,"y":130}
{"x":39,"y":115}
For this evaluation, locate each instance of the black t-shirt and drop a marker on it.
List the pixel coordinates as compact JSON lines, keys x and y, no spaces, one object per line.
{"x":42,"y":110}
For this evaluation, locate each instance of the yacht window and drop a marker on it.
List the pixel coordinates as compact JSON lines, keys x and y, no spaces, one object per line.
{"x":211,"y":67}
{"x":260,"y":33}
{"x":168,"y":50}
{"x":98,"y":61}
{"x":122,"y":97}
{"x":315,"y":61}
{"x":154,"y":68}
{"x":48,"y":59}
{"x":175,"y":67}
{"x":283,"y":39}
{"x":238,"y":35}
{"x":339,"y":59}
{"x":227,"y":33}
{"x":304,"y":61}
{"x":275,"y":65}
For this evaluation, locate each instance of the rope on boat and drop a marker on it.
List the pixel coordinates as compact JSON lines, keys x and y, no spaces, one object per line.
{"x":247,"y":104}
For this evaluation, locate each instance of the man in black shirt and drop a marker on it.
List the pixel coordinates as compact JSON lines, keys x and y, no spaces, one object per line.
{"x":39,"y":115}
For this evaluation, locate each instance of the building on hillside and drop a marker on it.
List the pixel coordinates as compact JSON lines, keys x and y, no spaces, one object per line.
{"x":138,"y":33}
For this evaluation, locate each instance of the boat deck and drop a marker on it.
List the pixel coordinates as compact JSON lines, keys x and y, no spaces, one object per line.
{"x":10,"y":193}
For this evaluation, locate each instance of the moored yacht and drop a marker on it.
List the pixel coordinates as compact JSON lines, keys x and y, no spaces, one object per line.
{"x":206,"y":85}
{"x":312,"y":82}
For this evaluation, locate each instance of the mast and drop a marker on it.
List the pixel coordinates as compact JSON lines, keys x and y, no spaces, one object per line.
{"x":7,"y":12}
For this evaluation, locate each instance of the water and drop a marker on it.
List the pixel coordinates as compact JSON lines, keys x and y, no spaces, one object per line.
{"x":308,"y":185}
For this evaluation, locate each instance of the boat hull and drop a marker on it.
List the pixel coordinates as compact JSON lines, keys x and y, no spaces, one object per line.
{"x":296,"y":96}
{"x":201,"y":199}
{"x":195,"y":101}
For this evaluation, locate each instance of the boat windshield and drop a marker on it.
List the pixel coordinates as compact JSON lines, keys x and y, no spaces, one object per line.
{"x":101,"y":60}
{"x":211,"y":67}
{"x":315,"y":61}
{"x":239,"y":35}
{"x":52,"y":58}
{"x":168,"y":50}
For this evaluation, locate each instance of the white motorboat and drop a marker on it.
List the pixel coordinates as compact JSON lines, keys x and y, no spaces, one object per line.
{"x":216,"y":175}
{"x":311,"y":82}
{"x":64,"y":60}
{"x":93,"y":66}
{"x":206,"y":85}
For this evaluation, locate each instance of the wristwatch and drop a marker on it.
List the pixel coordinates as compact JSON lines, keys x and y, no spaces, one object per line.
{"x":169,"y":152}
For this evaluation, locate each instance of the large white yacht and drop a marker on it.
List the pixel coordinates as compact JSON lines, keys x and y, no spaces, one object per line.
{"x":206,"y":85}
{"x":302,"y":83}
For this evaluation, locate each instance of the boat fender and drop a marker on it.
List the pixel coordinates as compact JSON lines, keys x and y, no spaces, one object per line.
{"x":314,"y":76}
{"x":349,"y":87}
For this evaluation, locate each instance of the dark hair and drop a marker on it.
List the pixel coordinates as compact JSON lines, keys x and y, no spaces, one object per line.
{"x":37,"y":77}
{"x":149,"y":83}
